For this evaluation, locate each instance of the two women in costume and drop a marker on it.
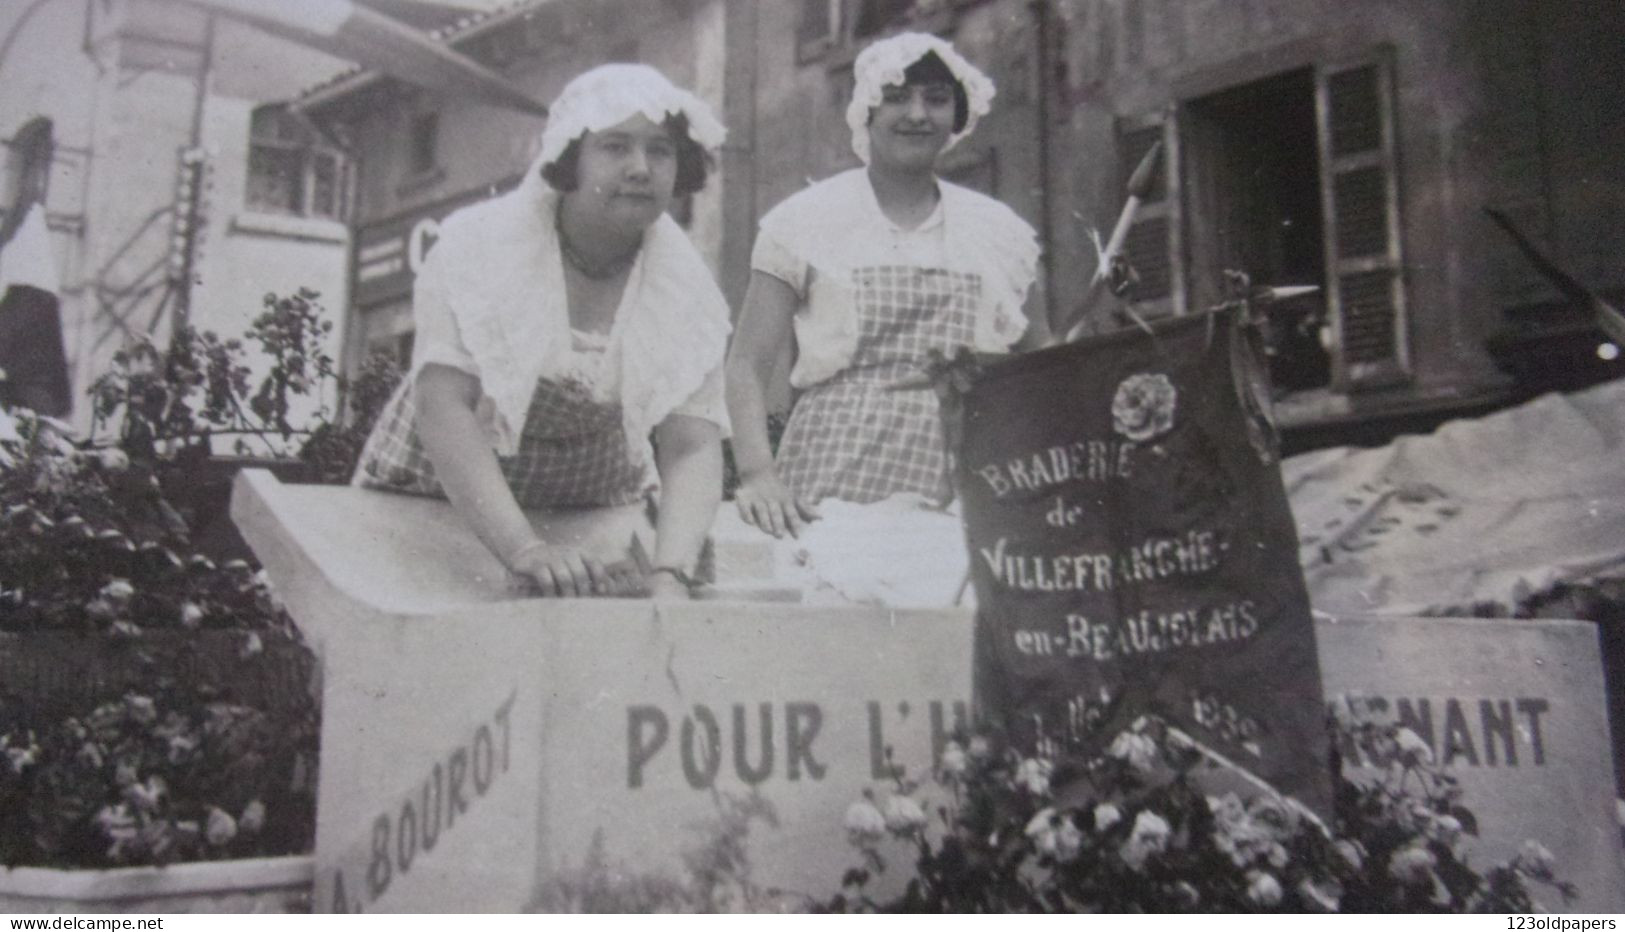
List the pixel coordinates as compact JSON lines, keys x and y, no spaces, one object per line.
{"x":558,"y":326}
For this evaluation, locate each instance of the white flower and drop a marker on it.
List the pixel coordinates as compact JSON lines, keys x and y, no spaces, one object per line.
{"x":1143,"y":406}
{"x":1033,"y":775}
{"x":1318,"y":899}
{"x":864,"y":823}
{"x":1263,"y":888}
{"x":180,"y":746}
{"x":1106,"y":816}
{"x":22,"y":758}
{"x":112,"y":459}
{"x":1149,"y":825}
{"x":140,"y":708}
{"x":1412,"y":749}
{"x":221,"y":827}
{"x":253,"y":817}
{"x":954,"y":760}
{"x":1186,"y":896}
{"x":1041,"y":830}
{"x":191,"y":615}
{"x":978,"y":747}
{"x":1138,"y":750}
{"x":125,"y":774}
{"x":1535,"y":859}
{"x":119,"y":591}
{"x":1148,"y":837}
{"x":904,"y":815}
{"x":112,"y":817}
{"x":252,"y":645}
{"x":90,"y":755}
{"x":1412,"y":864}
{"x":1274,"y":814}
{"x":1447,"y":829}
{"x":1353,"y":854}
{"x":1227,"y":808}
{"x":146,"y":797}
{"x":1068,"y":840}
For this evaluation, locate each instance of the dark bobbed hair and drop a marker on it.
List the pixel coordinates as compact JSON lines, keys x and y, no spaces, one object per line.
{"x":931,"y":69}
{"x":693,"y":163}
{"x":29,"y":161}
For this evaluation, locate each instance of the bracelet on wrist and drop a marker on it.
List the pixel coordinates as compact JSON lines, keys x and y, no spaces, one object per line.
{"x":688,"y":582}
{"x":513,"y":558}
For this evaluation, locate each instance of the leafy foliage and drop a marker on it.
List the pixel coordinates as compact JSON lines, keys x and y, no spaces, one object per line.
{"x":1134,"y":831}
{"x":716,"y":875}
{"x":90,"y":544}
{"x":155,"y":781}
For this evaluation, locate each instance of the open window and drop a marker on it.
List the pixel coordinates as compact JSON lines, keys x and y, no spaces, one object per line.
{"x":1290,"y":178}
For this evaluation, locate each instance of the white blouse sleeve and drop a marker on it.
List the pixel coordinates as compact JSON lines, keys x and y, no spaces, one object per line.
{"x":437,"y":339}
{"x":708,"y":402}
{"x":773,"y":257}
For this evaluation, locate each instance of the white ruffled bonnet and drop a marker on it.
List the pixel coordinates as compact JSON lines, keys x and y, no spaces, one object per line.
{"x":498,"y":264}
{"x":605,"y":96}
{"x":884,"y":62}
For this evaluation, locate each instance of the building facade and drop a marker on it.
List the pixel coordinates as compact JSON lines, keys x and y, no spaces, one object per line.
{"x":1349,"y":147}
{"x":167,"y":203}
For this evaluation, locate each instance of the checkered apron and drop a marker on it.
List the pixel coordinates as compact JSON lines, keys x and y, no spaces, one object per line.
{"x":572,"y":452}
{"x":854,"y":438}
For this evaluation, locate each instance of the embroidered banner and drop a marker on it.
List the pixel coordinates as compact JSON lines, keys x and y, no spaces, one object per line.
{"x":1133,"y":552}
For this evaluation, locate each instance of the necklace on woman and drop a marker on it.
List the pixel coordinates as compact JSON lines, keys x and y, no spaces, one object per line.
{"x":597,"y":271}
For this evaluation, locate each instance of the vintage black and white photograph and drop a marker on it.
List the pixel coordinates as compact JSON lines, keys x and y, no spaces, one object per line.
{"x":812,"y":456}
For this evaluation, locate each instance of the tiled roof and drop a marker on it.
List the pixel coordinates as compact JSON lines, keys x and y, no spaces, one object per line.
{"x":474,"y":24}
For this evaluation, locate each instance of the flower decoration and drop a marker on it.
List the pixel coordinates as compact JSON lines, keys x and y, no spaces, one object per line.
{"x":1143,"y":406}
{"x":864,"y":823}
{"x":1129,"y":831}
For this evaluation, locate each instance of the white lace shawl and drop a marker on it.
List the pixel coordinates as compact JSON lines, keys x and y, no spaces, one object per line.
{"x":498,"y":265}
{"x":884,"y":62}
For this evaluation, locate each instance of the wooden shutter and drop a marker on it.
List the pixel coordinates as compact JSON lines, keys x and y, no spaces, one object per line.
{"x":1153,"y":242}
{"x":1359,"y":194}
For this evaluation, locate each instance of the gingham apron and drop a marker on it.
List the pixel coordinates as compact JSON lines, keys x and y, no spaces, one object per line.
{"x":572,"y":451}
{"x":853,"y":437}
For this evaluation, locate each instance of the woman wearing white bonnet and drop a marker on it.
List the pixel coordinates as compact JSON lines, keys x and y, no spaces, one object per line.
{"x":561,"y":324}
{"x":870,"y":270}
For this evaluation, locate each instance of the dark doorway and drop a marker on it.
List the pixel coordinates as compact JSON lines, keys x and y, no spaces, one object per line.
{"x":1255,"y":183}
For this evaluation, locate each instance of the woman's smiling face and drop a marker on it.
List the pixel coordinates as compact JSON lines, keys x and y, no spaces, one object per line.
{"x":626,"y":172}
{"x":911,"y":125}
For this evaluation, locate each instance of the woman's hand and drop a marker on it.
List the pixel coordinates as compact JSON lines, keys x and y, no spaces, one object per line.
{"x":564,"y":572}
{"x":766,"y":503}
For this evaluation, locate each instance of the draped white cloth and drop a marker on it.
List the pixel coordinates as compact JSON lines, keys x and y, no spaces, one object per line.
{"x":497,"y":268}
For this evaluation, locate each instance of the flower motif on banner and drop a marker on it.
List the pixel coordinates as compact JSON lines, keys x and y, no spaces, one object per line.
{"x":1144,"y":406}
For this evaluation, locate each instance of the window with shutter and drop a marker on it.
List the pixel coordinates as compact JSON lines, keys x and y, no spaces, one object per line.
{"x":1360,"y":200}
{"x":1153,"y":240}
